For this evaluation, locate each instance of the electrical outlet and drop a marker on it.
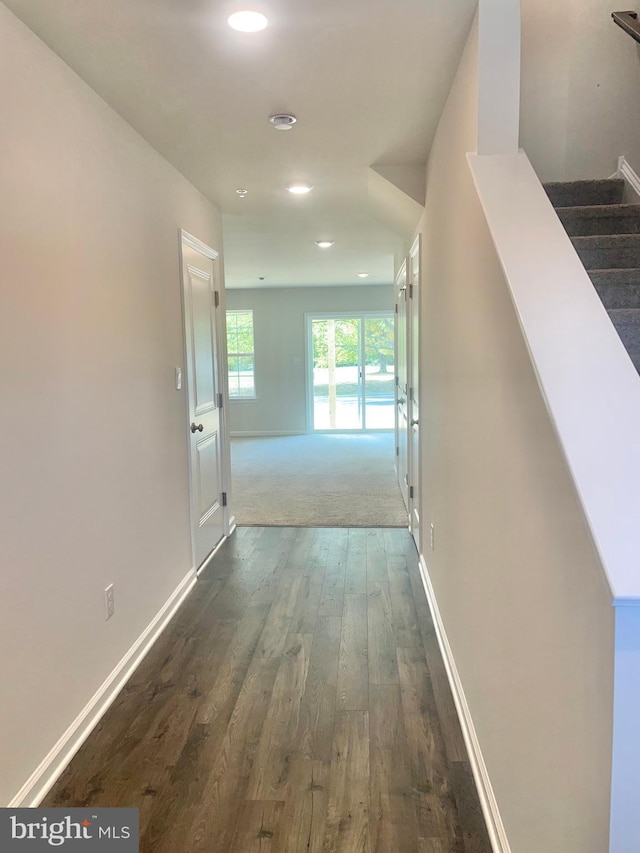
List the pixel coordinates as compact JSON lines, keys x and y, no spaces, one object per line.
{"x":432,"y":537}
{"x":109,"y":603}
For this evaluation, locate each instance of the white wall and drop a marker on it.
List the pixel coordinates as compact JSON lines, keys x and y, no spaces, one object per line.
{"x":93,"y":453}
{"x":280,"y":354}
{"x":521,"y":590}
{"x":580,"y":89}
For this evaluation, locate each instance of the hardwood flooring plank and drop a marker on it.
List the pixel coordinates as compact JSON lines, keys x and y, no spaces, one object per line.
{"x":233,"y":669}
{"x":214,"y":816}
{"x":447,"y":714}
{"x":306,"y":609}
{"x":383,"y":665}
{"x":347,"y":822}
{"x":376,"y":556}
{"x":332,"y":597}
{"x":432,"y":845}
{"x":257,"y":827}
{"x":276,"y":629}
{"x":474,"y":829}
{"x":403,"y":608}
{"x":393,"y":816}
{"x":302,"y":826}
{"x":353,"y":665}
{"x":392,"y":819}
{"x":317,"y":711}
{"x":356,"y":569}
{"x":269,"y":779}
{"x":397,"y":541}
{"x":415,"y":685}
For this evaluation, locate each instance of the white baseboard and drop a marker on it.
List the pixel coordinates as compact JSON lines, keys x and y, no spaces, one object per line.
{"x":51,"y":767}
{"x":495,"y":827}
{"x":262,"y":434}
{"x":631,"y":179}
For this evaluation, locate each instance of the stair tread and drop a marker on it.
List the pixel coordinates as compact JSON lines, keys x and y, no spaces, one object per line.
{"x":606,"y":239}
{"x":629,"y":273}
{"x":599,"y":210}
{"x":585,"y":193}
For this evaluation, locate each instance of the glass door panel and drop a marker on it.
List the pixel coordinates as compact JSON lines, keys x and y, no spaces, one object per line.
{"x":379,"y":396}
{"x":337,"y":373}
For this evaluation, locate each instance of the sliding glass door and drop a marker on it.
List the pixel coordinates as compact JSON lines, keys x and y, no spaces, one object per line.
{"x":351,"y":372}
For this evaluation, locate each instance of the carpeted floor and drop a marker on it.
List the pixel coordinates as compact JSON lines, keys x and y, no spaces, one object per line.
{"x":338,"y":480}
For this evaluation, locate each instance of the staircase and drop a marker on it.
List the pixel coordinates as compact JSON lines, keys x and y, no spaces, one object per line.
{"x":606,"y":235}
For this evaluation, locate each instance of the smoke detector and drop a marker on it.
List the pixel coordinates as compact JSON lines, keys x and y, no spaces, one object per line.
{"x":283,"y":121}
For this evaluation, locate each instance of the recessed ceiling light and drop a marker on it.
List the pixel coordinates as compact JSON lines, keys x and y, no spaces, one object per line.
{"x":242,"y":192}
{"x":363,"y":275}
{"x":299,"y":189}
{"x":247,"y":22}
{"x":325,"y":244}
{"x":283,"y":121}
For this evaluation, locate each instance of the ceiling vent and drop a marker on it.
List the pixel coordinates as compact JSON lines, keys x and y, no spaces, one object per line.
{"x":283,"y":121}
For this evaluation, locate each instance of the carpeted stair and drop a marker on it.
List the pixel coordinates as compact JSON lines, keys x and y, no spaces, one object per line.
{"x":606,"y":236}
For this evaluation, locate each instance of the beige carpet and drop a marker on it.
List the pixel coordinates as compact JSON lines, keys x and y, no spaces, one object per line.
{"x":341,"y":480}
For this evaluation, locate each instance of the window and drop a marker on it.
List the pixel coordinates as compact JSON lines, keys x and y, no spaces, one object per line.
{"x":240,"y":354}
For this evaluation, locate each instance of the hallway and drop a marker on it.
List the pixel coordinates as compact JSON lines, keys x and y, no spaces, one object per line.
{"x":297,"y":702}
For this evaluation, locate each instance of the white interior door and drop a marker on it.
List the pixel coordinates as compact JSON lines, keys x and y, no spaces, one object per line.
{"x":402,"y":385}
{"x":413,"y":312}
{"x":204,"y":395}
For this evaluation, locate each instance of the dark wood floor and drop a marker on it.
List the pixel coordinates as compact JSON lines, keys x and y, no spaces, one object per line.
{"x":297,"y":702}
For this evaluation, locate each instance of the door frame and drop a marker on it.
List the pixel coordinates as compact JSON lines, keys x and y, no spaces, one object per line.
{"x":309,"y":317}
{"x":414,"y":351}
{"x":402,"y":431}
{"x":185,"y":238}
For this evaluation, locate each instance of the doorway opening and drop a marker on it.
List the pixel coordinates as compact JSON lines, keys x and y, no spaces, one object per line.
{"x":351,"y":372}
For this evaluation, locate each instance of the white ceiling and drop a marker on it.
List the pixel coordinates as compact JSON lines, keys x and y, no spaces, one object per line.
{"x":367,"y":80}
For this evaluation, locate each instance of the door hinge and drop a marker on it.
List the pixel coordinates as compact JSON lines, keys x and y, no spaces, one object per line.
{"x":396,"y":307}
{"x":224,"y":499}
{"x":397,"y":451}
{"x":410,"y":290}
{"x":411,"y":492}
{"x":397,"y":381}
{"x":411,"y":395}
{"x":216,"y":298}
{"x":220,"y":400}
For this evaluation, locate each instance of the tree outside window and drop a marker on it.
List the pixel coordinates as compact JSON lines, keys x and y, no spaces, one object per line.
{"x":240,"y":354}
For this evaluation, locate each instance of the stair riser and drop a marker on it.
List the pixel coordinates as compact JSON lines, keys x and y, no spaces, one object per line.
{"x":587,"y":226}
{"x":619,"y":295}
{"x":601,"y":258}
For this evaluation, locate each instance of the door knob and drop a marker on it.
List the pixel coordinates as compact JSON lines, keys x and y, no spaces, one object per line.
{"x":197,"y":427}
{"x":414,"y":422}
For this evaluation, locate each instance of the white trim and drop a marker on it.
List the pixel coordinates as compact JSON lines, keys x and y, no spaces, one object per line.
{"x":630,"y":177}
{"x":51,"y":767}
{"x":488,"y":802}
{"x":198,"y":245}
